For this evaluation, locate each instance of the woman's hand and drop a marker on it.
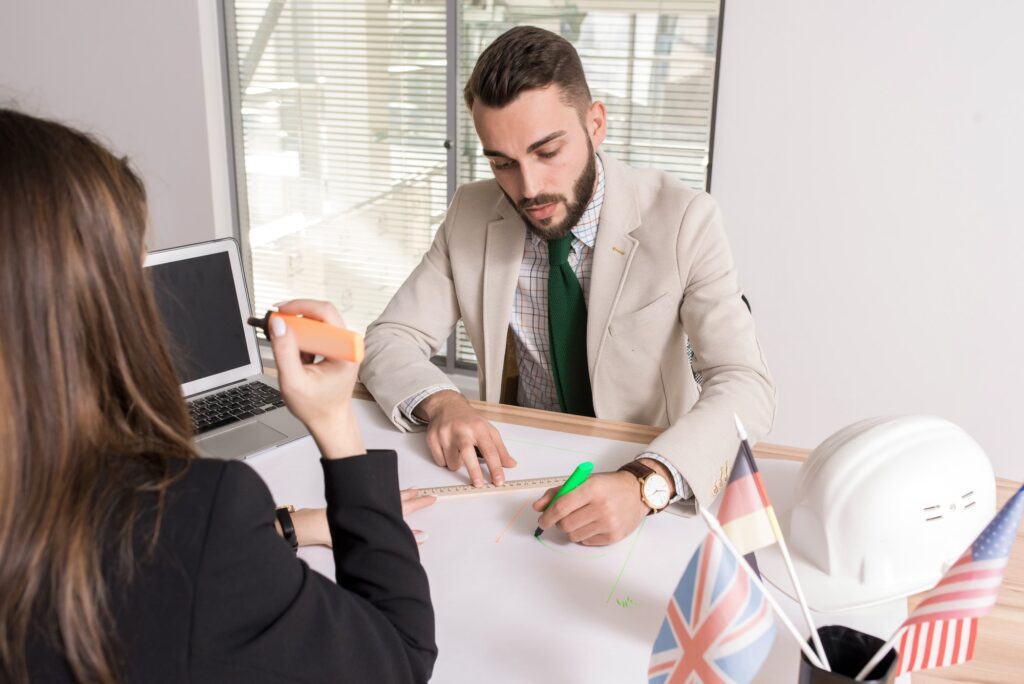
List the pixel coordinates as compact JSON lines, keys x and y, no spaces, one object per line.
{"x":311,"y":526}
{"x":320,"y":393}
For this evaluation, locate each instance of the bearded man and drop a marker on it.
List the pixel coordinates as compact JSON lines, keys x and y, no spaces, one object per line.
{"x":582,"y":283}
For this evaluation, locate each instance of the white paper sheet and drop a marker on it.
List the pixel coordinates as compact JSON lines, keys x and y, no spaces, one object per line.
{"x":511,"y":608}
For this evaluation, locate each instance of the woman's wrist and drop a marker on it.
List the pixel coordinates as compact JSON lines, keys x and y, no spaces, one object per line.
{"x":337,"y":434}
{"x":311,"y":528}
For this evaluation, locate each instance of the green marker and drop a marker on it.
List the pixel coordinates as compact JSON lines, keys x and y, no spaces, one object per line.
{"x":581,"y":473}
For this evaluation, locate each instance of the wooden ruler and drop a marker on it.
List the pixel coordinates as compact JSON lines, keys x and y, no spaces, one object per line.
{"x":686,"y":509}
{"x":489,"y":488}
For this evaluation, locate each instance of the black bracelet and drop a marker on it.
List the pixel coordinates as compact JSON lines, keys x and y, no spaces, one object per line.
{"x":284,"y":518}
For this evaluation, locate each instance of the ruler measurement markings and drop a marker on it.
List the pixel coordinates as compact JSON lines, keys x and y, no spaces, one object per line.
{"x":489,"y":488}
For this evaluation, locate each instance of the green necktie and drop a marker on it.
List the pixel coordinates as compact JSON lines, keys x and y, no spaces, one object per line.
{"x":567,"y":325}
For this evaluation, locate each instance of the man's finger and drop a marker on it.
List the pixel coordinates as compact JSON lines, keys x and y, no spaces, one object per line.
{"x":436,"y":452}
{"x":565,"y":505}
{"x":452,"y":456}
{"x":468,"y":456}
{"x":540,"y":503}
{"x":503,"y":455}
{"x":493,"y":461}
{"x":587,"y":532}
{"x":597,"y":540}
{"x":579,"y":519}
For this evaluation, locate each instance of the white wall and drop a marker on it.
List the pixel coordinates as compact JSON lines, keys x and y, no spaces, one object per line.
{"x":868,"y":160}
{"x":138,"y":75}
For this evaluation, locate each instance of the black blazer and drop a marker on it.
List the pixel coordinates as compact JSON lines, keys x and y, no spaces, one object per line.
{"x":224,"y":598}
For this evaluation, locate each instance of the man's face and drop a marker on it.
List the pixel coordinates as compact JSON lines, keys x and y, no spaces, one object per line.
{"x":542,"y":156}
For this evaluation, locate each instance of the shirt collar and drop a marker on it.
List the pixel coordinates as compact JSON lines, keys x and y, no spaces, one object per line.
{"x":585,"y":229}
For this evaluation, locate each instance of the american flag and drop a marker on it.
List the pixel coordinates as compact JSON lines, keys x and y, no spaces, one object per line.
{"x":942,"y":629}
{"x":718,"y":628}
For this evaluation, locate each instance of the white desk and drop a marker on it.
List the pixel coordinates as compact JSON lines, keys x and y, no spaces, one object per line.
{"x":510,"y":609}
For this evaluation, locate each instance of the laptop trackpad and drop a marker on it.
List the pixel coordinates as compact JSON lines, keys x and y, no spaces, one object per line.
{"x":242,"y":441}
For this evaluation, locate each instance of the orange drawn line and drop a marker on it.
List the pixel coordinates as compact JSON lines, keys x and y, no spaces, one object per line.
{"x":518,"y":513}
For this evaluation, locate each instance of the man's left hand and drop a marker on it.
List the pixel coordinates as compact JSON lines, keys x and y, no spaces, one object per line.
{"x":603,"y":510}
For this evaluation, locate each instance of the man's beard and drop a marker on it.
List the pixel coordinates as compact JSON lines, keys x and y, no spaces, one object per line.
{"x":583,"y":191}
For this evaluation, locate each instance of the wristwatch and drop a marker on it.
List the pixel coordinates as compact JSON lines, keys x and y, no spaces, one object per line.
{"x":284,"y":518}
{"x":653,"y":487}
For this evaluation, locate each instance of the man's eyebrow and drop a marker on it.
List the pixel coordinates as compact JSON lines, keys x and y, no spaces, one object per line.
{"x":545,"y":140}
{"x":540,"y":143}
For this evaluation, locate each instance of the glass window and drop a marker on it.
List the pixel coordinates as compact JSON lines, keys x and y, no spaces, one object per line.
{"x":341,"y":110}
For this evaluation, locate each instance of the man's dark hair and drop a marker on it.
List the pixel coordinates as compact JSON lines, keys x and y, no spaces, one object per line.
{"x":524,"y":58}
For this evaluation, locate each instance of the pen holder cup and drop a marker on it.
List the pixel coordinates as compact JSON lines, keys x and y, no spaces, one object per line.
{"x":848,"y":651}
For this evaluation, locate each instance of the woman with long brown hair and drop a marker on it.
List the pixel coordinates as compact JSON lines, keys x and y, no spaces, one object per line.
{"x":123,"y":557}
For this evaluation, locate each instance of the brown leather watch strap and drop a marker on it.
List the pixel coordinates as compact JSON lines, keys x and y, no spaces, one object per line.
{"x":637,"y":468}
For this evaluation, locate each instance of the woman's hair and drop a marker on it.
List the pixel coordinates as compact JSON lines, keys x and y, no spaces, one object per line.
{"x":92,"y":422}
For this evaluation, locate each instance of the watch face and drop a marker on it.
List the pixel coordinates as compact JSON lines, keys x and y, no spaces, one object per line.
{"x":656,"y":491}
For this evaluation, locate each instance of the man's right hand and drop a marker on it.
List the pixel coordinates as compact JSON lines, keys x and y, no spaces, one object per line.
{"x":456,"y":430}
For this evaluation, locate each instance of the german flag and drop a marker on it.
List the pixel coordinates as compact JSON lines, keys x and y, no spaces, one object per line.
{"x":746,"y":514}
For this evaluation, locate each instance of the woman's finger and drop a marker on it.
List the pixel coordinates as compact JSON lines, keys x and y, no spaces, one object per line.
{"x":286,"y":352}
{"x":313,"y":308}
{"x":411,"y":504}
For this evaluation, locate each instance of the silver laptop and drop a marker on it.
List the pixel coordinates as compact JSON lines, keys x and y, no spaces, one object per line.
{"x":236,"y":409}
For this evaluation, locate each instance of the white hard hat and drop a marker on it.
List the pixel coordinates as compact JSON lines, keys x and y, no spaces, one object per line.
{"x":880,"y":510}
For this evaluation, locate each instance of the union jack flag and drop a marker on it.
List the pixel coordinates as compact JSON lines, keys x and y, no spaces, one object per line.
{"x":718,"y":628}
{"x":942,"y":628}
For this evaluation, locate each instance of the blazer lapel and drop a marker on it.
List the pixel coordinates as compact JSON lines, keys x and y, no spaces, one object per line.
{"x":613,"y":254}
{"x":503,"y":255}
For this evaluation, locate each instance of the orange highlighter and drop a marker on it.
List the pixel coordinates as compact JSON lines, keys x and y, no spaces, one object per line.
{"x":317,"y":337}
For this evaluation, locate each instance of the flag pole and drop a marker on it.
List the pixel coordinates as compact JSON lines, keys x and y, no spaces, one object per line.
{"x":815,"y":638}
{"x":724,"y":538}
{"x":877,"y":658}
{"x":804,"y":608}
{"x":818,"y":646}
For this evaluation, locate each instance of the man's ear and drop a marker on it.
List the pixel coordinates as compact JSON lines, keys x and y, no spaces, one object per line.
{"x":596,"y":123}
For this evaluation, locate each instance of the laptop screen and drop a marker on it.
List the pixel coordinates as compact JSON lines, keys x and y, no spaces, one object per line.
{"x":199,"y":306}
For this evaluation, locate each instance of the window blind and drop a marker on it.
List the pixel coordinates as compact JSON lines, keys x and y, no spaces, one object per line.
{"x":340,"y":112}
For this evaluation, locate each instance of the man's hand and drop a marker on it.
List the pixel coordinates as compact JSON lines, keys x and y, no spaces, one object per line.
{"x":456,"y":430}
{"x":311,"y":526}
{"x":602,"y":510}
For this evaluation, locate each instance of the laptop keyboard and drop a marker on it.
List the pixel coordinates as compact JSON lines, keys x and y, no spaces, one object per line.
{"x":230,"y":406}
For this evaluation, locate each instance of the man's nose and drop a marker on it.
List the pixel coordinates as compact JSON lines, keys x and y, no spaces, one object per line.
{"x":529,"y":177}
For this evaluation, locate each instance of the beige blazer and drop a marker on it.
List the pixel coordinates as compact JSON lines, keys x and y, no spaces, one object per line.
{"x":662,"y":273}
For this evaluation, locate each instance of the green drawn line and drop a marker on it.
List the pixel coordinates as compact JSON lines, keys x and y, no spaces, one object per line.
{"x":626,"y":562}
